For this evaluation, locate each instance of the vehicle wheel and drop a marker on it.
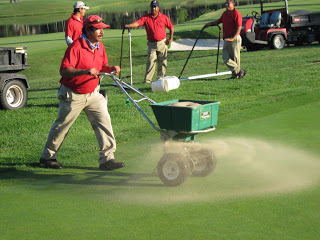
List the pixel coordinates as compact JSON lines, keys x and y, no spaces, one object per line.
{"x":14,"y":95}
{"x":278,"y":42}
{"x":205,"y":162}
{"x":173,"y":169}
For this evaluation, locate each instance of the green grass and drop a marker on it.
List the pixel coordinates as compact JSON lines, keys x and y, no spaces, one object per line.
{"x":42,"y":12}
{"x":35,"y":12}
{"x":266,"y":185}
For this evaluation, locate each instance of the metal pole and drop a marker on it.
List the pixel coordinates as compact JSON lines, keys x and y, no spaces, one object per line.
{"x":119,"y":83}
{"x":195,"y":45}
{"x":130,"y":56}
{"x":121,"y":52}
{"x":218,"y":48}
{"x":287,"y":7}
{"x":191,"y":51}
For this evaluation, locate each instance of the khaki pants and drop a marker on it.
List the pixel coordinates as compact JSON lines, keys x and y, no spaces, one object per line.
{"x":231,"y":54}
{"x":70,"y":106}
{"x":156,"y":51}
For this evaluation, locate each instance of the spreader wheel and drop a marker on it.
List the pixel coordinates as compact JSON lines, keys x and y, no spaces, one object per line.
{"x":173,"y":169}
{"x":204,"y":162}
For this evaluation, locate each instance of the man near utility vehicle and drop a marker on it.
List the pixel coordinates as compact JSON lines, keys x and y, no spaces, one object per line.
{"x":232,"y":23}
{"x":79,"y":90}
{"x":73,"y":26}
{"x":155,"y":24}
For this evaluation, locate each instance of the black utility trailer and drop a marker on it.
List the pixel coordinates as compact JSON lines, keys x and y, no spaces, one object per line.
{"x":277,"y":27}
{"x":13,"y":86}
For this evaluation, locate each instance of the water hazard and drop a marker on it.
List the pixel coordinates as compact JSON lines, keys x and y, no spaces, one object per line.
{"x":117,"y":20}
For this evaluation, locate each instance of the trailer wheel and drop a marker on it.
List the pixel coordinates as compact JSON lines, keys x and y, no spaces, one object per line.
{"x":278,"y":42}
{"x":14,"y":95}
{"x":204,"y":162}
{"x":173,"y":169}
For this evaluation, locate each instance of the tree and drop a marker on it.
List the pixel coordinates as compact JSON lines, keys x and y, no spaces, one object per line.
{"x":182,"y":15}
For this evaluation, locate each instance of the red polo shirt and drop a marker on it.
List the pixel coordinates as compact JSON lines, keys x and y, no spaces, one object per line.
{"x":230,"y":22}
{"x":155,"y":27}
{"x":73,"y":27}
{"x":79,"y":55}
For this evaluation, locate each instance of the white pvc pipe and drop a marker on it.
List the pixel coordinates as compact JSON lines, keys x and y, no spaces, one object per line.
{"x":206,"y":75}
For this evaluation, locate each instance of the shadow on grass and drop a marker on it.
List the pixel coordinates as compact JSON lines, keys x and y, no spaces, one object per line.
{"x":75,"y":175}
{"x":43,"y":89}
{"x":44,"y":105}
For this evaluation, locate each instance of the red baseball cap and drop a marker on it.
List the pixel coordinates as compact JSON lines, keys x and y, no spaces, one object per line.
{"x":95,"y":21}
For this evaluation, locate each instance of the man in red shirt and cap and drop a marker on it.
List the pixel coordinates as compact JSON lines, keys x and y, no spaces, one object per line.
{"x":73,"y":27}
{"x":232,"y":23}
{"x":155,"y":23}
{"x":79,"y":90}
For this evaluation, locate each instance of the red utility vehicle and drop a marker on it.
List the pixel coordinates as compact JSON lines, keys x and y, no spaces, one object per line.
{"x":277,"y":27}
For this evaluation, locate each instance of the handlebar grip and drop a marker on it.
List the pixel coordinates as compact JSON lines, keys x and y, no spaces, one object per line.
{"x":104,"y":73}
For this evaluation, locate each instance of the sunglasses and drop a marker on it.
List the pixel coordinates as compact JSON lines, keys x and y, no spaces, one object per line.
{"x":97,"y":21}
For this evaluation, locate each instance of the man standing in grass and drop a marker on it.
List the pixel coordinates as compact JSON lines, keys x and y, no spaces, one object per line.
{"x":73,"y":27}
{"x":79,"y":90}
{"x":232,"y":23}
{"x":155,"y":23}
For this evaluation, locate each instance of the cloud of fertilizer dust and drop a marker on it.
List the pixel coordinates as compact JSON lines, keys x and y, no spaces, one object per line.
{"x":245,"y":167}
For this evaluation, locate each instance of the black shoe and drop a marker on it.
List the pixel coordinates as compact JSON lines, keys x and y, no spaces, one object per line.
{"x":242,"y":73}
{"x":234,"y":75}
{"x":111,"y":165}
{"x":50,"y":163}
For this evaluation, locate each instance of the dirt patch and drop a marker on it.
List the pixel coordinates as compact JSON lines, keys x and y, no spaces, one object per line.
{"x":186,"y":44}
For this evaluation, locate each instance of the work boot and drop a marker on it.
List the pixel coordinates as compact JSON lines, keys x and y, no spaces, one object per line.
{"x":111,"y":165}
{"x":242,"y":73}
{"x":50,"y":163}
{"x":147,"y":81}
{"x":234,"y":75}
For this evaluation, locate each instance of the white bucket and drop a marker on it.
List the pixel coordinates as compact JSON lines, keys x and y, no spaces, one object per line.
{"x":173,"y":82}
{"x":165,"y":84}
{"x":160,"y":85}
